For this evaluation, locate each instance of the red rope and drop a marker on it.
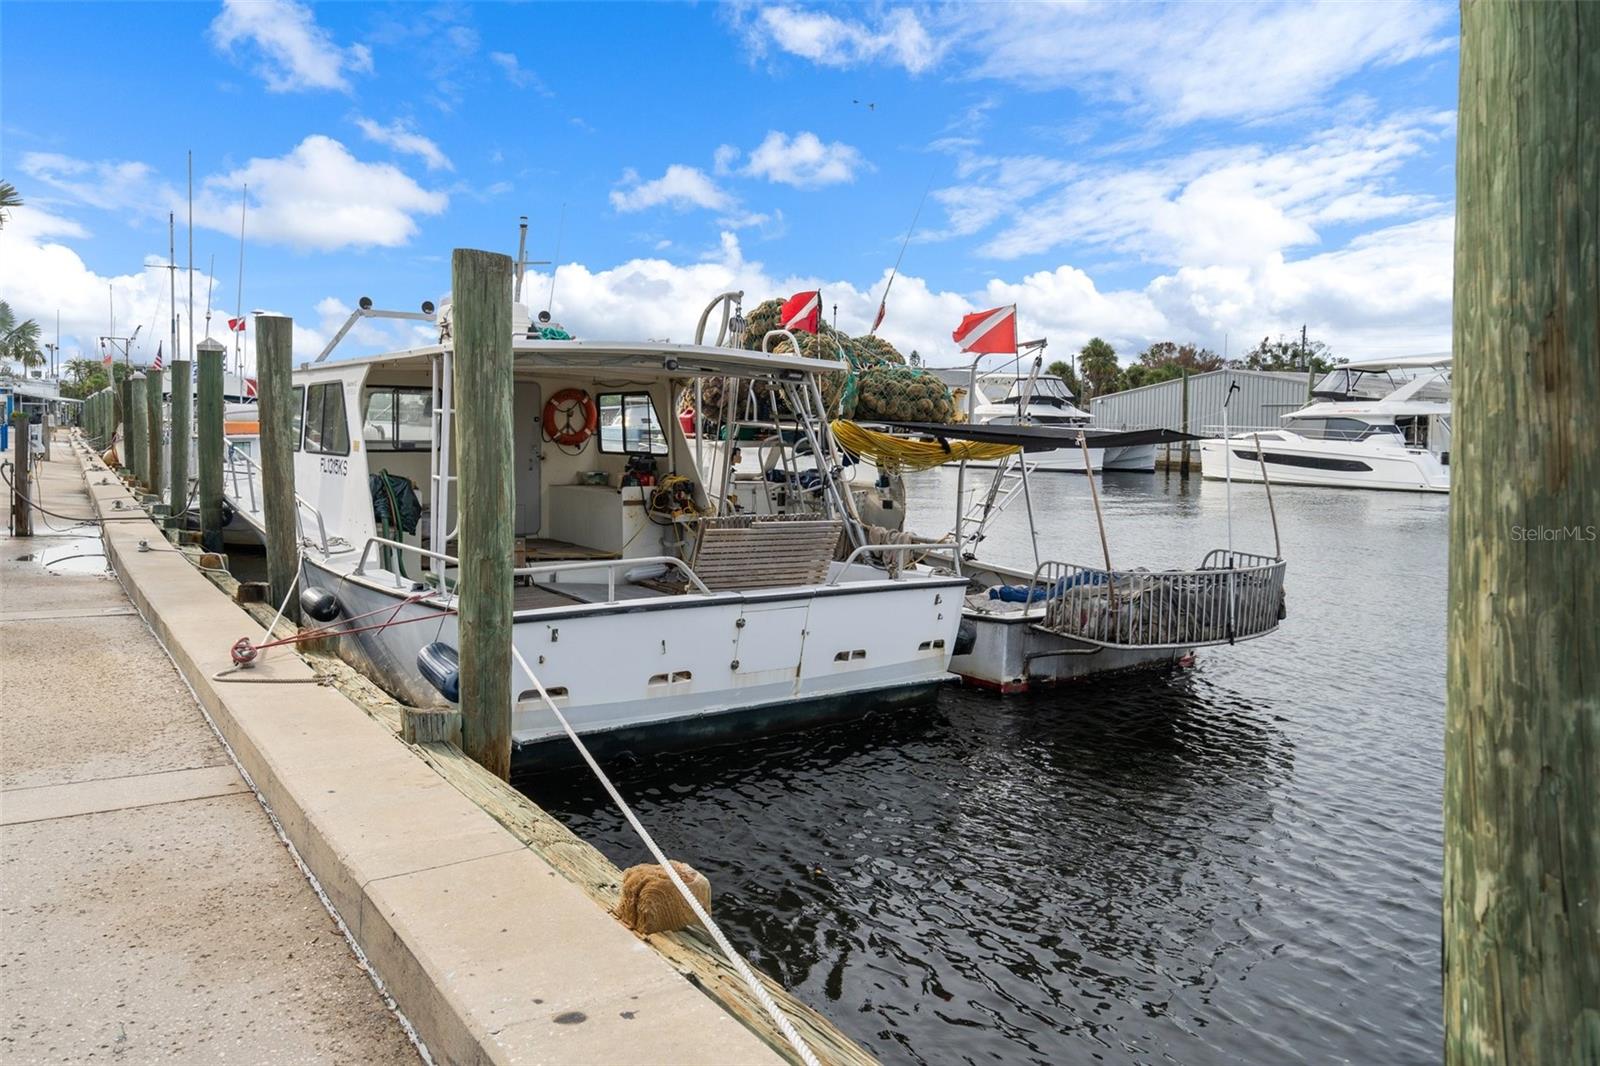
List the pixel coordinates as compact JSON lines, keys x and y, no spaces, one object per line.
{"x":244,"y":651}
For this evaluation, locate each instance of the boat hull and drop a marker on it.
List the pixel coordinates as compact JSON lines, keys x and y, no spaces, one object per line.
{"x":651,"y":662}
{"x":1010,"y":655}
{"x":1333,"y":464}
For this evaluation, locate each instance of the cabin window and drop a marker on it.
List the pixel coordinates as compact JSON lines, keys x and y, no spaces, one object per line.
{"x":630,"y":424}
{"x":398,"y":419}
{"x":1330,"y":428}
{"x":299,"y":415}
{"x":326,"y":430}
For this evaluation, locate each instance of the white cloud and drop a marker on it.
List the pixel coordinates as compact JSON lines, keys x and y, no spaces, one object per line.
{"x":1173,"y":62}
{"x":895,"y":36}
{"x":515,"y":72}
{"x":1182,"y":62}
{"x":400,"y":136}
{"x":803,"y":161}
{"x":320,"y":197}
{"x":292,"y":53}
{"x":40,"y":276}
{"x":1209,"y":207}
{"x":109,"y":185}
{"x":680,"y":187}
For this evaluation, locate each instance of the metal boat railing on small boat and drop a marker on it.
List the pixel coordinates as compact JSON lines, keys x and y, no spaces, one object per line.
{"x":1233,"y":596}
{"x":242,"y":473}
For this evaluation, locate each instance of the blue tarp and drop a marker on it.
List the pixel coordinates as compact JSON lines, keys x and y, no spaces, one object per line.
{"x":1019,"y":593}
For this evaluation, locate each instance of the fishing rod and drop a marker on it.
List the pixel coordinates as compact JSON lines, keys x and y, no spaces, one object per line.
{"x":883,"y":304}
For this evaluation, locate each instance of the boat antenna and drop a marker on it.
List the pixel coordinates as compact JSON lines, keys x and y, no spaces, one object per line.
{"x":522,"y":254}
{"x":211,"y":277}
{"x":191,"y":253}
{"x":883,"y":303}
{"x":561,"y":231}
{"x":238,"y":355}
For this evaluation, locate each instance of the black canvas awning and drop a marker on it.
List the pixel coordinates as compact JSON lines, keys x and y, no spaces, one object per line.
{"x":1039,"y":438}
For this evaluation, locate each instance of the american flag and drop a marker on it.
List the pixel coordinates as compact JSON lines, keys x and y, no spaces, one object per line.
{"x":157,"y":364}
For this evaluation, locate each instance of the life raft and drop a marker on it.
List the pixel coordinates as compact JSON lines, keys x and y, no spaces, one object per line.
{"x":570,"y":417}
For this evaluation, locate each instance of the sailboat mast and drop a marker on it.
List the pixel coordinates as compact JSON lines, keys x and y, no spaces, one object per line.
{"x":238,"y":355}
{"x":172,"y":278}
{"x":191,"y":255}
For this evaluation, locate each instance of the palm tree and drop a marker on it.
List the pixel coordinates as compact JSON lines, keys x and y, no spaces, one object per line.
{"x":19,"y":340}
{"x":9,"y":197}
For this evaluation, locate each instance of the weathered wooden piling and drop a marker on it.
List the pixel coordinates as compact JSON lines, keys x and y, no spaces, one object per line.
{"x":178,"y":499}
{"x":1522,"y":732}
{"x":138,"y":430}
{"x":208,"y":450}
{"x":1184,"y":400}
{"x":122,"y":432}
{"x":21,"y":512}
{"x":481,"y":320}
{"x":274,"y":364}
{"x":155,"y":427}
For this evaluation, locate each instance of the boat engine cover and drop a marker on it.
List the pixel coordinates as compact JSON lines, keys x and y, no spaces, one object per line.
{"x":319,"y":604}
{"x":440,"y":664}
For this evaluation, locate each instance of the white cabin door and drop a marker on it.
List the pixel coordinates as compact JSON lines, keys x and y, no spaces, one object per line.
{"x":526,"y":412}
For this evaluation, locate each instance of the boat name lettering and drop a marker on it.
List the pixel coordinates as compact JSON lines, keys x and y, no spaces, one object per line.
{"x":335,"y":466}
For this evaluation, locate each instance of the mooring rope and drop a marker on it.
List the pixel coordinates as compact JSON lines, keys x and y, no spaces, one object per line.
{"x":761,"y":994}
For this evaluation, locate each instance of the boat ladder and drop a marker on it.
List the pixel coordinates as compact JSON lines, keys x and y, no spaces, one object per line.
{"x":1003,"y":488}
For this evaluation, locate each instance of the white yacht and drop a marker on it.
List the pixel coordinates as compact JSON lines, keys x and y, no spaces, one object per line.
{"x":1372,"y":424}
{"x":641,"y":598}
{"x":1048,"y":401}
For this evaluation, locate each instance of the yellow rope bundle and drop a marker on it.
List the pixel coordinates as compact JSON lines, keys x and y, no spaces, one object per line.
{"x":901,"y":453}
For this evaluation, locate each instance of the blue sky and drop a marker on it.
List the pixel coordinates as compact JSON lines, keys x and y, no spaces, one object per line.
{"x":1188,"y":172}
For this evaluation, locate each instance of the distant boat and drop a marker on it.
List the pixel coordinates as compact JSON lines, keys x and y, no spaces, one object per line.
{"x":1373,"y":424}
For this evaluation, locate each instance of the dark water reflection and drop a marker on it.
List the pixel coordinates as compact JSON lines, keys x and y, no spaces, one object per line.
{"x":1239,"y":862}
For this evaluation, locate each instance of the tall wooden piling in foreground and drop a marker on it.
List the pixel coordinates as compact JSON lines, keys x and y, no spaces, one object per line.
{"x":1522,"y":727}
{"x":208,"y":450}
{"x":481,"y":322}
{"x":178,"y":499}
{"x":138,"y":429}
{"x":21,"y":512}
{"x":274,"y":363}
{"x":155,"y":423}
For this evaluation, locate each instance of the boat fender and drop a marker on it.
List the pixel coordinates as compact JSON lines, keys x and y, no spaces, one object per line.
{"x":966,"y":637}
{"x":319,"y":604}
{"x":441,"y":666}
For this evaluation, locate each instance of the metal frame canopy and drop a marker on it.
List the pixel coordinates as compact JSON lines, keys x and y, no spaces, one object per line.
{"x":665,"y":360}
{"x":1041,"y":438}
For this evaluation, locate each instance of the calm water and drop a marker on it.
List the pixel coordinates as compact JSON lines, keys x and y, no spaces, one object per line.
{"x":1236,"y":863}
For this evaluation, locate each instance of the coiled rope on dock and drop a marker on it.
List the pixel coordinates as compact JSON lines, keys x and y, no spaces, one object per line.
{"x":894,"y":453}
{"x":762,"y":995}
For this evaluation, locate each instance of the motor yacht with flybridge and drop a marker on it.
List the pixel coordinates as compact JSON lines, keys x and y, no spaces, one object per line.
{"x":1372,"y":424}
{"x":1039,"y":399}
{"x":644,"y":600}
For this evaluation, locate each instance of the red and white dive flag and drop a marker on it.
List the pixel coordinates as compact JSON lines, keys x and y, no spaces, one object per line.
{"x":236,"y":324}
{"x":251,"y":388}
{"x":883,"y":309}
{"x":157,"y":364}
{"x":988,"y":331}
{"x":109,"y":357}
{"x":802,"y":311}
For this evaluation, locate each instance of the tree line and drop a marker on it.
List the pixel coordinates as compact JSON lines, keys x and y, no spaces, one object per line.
{"x":1098,"y":371}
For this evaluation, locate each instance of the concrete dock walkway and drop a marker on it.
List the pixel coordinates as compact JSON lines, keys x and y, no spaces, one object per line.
{"x":148,"y":909}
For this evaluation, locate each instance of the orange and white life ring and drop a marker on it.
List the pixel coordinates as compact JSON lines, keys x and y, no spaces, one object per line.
{"x":570,"y":417}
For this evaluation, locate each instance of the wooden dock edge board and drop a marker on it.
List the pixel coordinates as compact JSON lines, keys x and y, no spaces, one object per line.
{"x":690,"y":952}
{"x":456,"y":1015}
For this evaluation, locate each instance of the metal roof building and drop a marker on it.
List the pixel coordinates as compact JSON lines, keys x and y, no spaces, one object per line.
{"x":1262,"y":398}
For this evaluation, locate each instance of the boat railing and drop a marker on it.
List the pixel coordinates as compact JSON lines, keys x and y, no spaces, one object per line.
{"x":891,"y":549}
{"x":611,"y":566}
{"x":1232,"y":596}
{"x":238,"y":465}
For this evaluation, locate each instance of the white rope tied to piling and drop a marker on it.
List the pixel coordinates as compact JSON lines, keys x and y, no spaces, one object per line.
{"x":761,"y":994}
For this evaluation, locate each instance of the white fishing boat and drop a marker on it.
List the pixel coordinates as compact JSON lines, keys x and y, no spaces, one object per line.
{"x":642,"y":599}
{"x":1373,"y":424}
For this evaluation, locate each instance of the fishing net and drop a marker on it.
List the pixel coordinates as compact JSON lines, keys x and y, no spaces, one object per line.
{"x":879,"y":386}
